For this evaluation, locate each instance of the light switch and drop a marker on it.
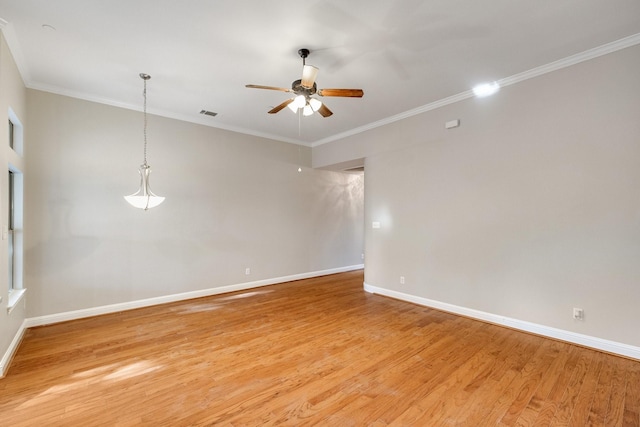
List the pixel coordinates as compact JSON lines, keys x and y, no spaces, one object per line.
{"x":375,"y":224}
{"x":5,"y":232}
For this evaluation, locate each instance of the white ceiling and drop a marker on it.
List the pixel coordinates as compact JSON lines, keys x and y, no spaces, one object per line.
{"x":404,"y":54}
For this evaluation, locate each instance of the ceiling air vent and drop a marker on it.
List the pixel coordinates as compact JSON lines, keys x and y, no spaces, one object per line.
{"x":208,"y":113}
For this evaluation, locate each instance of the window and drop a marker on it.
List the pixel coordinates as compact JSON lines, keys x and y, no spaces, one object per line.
{"x":14,"y":236}
{"x":12,"y":134}
{"x":15,"y":133}
{"x":11,"y":227}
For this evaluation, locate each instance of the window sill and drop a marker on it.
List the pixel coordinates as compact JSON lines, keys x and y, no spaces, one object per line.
{"x":15,"y":296}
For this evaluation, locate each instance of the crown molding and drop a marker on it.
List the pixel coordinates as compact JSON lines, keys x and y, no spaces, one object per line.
{"x":158,"y":112}
{"x":14,"y":46}
{"x":572,"y":60}
{"x":507,"y":81}
{"x":11,"y":39}
{"x":410,"y":113}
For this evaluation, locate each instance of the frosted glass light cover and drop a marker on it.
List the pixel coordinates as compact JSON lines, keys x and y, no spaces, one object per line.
{"x":300,"y":101}
{"x":315,"y":104}
{"x":144,"y":198}
{"x":307,"y":111}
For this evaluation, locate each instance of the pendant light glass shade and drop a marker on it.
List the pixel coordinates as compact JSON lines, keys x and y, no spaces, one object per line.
{"x":144,"y":197}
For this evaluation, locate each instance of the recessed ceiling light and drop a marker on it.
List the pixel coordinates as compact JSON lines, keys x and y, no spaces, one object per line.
{"x":486,"y":89}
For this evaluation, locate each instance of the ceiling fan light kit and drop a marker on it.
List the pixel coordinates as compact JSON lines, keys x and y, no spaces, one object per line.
{"x":304,"y":88}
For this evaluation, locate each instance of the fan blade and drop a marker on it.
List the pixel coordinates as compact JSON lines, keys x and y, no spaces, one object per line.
{"x":267,"y":87}
{"x":309,"y":73}
{"x":281,"y":106}
{"x":324,"y":111}
{"x":352,"y":93}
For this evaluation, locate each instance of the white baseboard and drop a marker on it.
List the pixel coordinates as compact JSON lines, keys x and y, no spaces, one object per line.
{"x":114,"y":308}
{"x":547,"y":331}
{"x":13,"y":347}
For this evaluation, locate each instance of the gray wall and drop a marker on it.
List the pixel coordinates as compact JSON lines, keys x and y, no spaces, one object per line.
{"x":530,"y":208}
{"x":232,"y":202}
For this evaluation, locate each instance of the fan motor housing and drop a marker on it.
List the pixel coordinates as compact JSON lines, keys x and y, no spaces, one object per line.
{"x":298,"y":89}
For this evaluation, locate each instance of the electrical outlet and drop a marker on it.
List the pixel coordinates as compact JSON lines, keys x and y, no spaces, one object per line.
{"x":578,"y":313}
{"x":247,"y":271}
{"x":402,"y":280}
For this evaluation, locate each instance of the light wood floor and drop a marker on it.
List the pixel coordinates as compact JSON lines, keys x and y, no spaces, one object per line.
{"x":313,"y":352}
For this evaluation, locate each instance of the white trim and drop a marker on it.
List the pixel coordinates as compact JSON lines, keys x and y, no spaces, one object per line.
{"x":114,"y":308}
{"x":13,"y":347}
{"x":547,"y":331}
{"x":199,"y":119}
{"x":572,"y":60}
{"x":611,"y":47}
{"x":15,"y":295}
{"x":410,"y":113}
{"x":516,"y":78}
{"x":11,"y":38}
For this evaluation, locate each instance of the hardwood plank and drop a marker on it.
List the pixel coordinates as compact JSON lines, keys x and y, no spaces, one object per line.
{"x":631,"y":416}
{"x":598,"y":410}
{"x":565,"y":408}
{"x":551,"y":404}
{"x":312,"y":352}
{"x":483,"y":400}
{"x":458,"y":384}
{"x":555,"y":360}
{"x":588,"y":396}
{"x":501,"y":394}
{"x":615,"y":410}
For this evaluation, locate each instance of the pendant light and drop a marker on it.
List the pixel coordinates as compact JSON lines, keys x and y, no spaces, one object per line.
{"x":144,"y":197}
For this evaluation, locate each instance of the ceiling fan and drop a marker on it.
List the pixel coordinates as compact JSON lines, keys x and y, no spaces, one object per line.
{"x":304,"y":88}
